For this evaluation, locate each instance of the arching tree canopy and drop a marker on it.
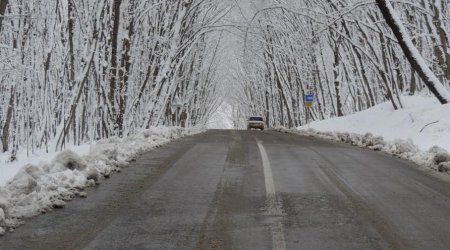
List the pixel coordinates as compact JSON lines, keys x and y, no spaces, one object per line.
{"x":75,"y":71}
{"x":72,"y":71}
{"x":342,"y":52}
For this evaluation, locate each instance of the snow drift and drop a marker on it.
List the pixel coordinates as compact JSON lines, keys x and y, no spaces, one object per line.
{"x":38,"y":188}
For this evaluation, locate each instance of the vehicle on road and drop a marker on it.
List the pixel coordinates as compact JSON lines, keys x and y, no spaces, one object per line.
{"x":255,"y":122}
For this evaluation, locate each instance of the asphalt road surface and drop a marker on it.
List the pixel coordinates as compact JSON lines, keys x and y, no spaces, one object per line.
{"x":252,"y":190}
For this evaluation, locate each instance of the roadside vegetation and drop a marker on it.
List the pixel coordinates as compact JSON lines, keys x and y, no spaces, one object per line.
{"x":349,"y":54}
{"x":72,"y":72}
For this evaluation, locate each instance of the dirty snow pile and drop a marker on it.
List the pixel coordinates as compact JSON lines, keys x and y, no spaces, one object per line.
{"x":419,"y":132}
{"x":38,"y":187}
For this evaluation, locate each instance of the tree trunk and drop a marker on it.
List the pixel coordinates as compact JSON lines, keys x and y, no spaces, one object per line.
{"x":444,"y":51}
{"x":3,"y":4}
{"x":411,"y":52}
{"x":337,"y":79}
{"x":125,"y":69}
{"x":114,"y":56}
{"x":9,"y":113}
{"x":70,"y":27}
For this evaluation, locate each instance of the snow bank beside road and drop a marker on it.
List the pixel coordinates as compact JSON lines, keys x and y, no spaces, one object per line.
{"x":9,"y":169}
{"x":420,"y":132}
{"x":423,"y":120}
{"x":38,"y":187}
{"x":435,"y":158}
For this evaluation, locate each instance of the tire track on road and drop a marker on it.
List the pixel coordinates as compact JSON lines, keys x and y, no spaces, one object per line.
{"x":380,"y":223}
{"x":214,"y":230}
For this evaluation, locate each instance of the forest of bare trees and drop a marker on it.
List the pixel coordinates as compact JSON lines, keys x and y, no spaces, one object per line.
{"x":349,"y":54}
{"x":73,"y":71}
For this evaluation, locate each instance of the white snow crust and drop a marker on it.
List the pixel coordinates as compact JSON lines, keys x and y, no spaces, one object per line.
{"x":40,"y":183}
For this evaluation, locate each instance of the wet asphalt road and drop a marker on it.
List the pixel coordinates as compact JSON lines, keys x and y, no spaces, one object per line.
{"x":252,"y":190}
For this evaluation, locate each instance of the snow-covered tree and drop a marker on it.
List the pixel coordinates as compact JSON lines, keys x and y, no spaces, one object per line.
{"x":343,"y":52}
{"x":74,"y":71}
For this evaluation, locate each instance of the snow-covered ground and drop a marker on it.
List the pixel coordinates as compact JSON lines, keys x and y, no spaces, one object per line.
{"x":423,"y":120}
{"x":419,"y":132}
{"x":36,"y":184}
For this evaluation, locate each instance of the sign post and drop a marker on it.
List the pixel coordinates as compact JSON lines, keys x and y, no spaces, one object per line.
{"x":177,"y":104}
{"x":309,"y":100}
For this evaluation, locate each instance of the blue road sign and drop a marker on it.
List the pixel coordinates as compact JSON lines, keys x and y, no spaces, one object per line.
{"x":309,"y":98}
